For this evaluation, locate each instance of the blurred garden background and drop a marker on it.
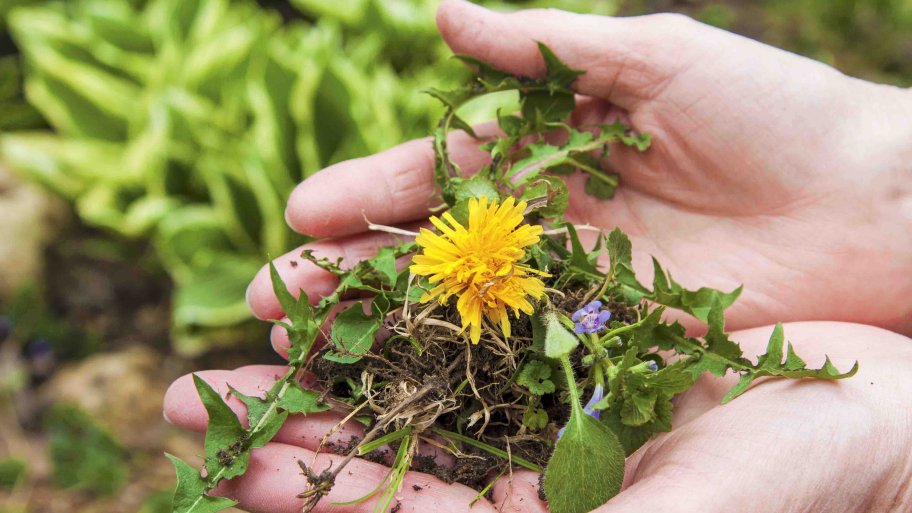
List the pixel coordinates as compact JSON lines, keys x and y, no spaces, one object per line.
{"x":146,"y":151}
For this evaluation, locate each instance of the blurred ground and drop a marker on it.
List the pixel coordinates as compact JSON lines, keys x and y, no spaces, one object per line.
{"x":85,"y":360}
{"x":84,"y":351}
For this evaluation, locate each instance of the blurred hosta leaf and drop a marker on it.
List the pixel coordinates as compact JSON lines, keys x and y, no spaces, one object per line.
{"x":214,"y":295}
{"x":11,"y":472}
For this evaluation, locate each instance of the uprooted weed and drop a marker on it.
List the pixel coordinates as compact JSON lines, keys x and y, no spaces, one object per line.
{"x":473,"y":391}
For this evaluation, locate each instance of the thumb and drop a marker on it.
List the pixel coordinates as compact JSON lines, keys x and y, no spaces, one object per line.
{"x":627,"y":60}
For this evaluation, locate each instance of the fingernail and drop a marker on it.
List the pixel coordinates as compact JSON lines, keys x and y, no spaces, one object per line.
{"x":247,"y":297}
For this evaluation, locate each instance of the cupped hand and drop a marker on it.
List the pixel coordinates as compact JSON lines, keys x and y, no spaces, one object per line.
{"x":766,"y":168}
{"x":783,"y":447}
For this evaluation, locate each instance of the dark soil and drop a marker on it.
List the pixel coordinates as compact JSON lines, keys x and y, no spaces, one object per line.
{"x":574,"y":300}
{"x":474,"y":472}
{"x":382,"y":457}
{"x":397,"y":363}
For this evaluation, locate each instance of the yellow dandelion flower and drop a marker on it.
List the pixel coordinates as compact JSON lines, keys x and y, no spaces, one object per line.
{"x":479,"y":264}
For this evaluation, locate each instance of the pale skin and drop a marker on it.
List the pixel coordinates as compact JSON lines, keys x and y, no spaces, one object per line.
{"x":767,"y":169}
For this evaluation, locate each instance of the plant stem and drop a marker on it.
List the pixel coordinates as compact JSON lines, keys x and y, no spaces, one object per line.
{"x":623,"y":329}
{"x":571,"y":382}
{"x":595,"y":144}
{"x":487,"y":448}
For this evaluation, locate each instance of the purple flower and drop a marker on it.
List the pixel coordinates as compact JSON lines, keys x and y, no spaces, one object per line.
{"x":590,"y":318}
{"x":651,"y":365}
{"x":597,"y":396}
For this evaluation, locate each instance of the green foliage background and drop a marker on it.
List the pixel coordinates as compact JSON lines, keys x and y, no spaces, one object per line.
{"x":188,"y":122}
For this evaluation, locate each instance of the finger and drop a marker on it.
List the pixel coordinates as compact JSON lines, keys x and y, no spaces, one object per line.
{"x":183,"y":407}
{"x":314,"y":431}
{"x":299,"y":274}
{"x":391,"y":187}
{"x":273,"y":480}
{"x":518,"y":493}
{"x":627,"y":60}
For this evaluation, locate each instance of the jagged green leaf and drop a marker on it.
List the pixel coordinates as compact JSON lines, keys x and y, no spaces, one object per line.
{"x":540,"y":108}
{"x":190,"y":492}
{"x":542,"y":156}
{"x":718,"y":353}
{"x":353,"y":334}
{"x":697,"y":303}
{"x":643,"y":335}
{"x":559,"y":75}
{"x":619,"y":132}
{"x":263,"y":414}
{"x":579,"y":258}
{"x":256,"y":406}
{"x":225,"y":454}
{"x":452,"y":98}
{"x":384,"y":262}
{"x":602,"y":186}
{"x":299,"y":400}
{"x":770,"y":364}
{"x":792,"y":360}
{"x":638,"y":404}
{"x":548,"y":195}
{"x":302,"y":325}
{"x":620,"y":251}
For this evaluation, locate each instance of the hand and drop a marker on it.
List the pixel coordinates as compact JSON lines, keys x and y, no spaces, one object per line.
{"x":788,"y":446}
{"x":274,"y":479}
{"x":783,"y":447}
{"x":767,"y":169}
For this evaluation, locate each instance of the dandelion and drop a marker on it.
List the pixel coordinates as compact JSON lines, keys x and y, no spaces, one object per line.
{"x":590,"y":318}
{"x":480,"y":264}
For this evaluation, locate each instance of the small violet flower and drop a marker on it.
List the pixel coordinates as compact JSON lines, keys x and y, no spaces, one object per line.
{"x":597,"y":396}
{"x":651,"y":365}
{"x":590,"y":318}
